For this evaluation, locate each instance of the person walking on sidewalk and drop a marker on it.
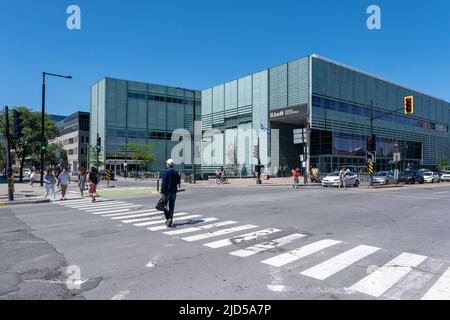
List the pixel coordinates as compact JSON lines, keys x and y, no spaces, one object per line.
{"x":63,"y":182}
{"x":93,"y":180}
{"x":169,"y":189}
{"x":50,"y":181}
{"x":32,"y":177}
{"x":296,"y":178}
{"x":82,"y":181}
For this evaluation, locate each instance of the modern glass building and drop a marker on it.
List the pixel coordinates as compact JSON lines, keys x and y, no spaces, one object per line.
{"x":124,"y":112}
{"x":335,"y":103}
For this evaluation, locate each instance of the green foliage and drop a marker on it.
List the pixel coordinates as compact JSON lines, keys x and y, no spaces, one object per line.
{"x":93,"y":157}
{"x":443,"y":165}
{"x":141,"y":153}
{"x":24,"y":146}
{"x":55,"y":154}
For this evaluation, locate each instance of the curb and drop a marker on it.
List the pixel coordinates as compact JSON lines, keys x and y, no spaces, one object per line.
{"x":18,"y":202}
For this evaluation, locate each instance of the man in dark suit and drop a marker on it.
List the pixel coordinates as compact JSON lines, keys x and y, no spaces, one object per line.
{"x":169,"y":188}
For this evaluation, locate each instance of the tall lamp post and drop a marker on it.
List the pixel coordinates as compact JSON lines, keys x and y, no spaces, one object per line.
{"x":193,"y":131}
{"x":43,"y":119}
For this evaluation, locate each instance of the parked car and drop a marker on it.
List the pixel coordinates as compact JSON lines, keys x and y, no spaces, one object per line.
{"x":430,"y":177}
{"x":407,"y":177}
{"x":419,"y":176}
{"x":445,"y":176}
{"x":384,"y":177}
{"x":332,"y":180}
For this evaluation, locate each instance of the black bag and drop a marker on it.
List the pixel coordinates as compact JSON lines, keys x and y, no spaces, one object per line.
{"x":160,"y":205}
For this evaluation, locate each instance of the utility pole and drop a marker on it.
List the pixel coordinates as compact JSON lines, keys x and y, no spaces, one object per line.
{"x":9,"y":172}
{"x":371,"y":134}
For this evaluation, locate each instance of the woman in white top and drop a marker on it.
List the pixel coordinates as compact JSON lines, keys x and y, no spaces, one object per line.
{"x":50,"y":181}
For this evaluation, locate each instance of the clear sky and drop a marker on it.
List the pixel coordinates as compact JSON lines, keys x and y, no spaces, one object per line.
{"x":201,"y":43}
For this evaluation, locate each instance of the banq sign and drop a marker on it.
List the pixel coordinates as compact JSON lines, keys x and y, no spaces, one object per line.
{"x":284,"y":112}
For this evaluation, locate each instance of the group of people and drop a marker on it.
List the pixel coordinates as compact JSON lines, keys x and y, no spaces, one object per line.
{"x":63,"y":179}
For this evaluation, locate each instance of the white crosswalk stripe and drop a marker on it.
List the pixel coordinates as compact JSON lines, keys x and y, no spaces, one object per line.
{"x":141,"y":215}
{"x":441,"y":289}
{"x":339,"y":263}
{"x":297,"y":254}
{"x":204,"y":227}
{"x":164,"y":220}
{"x":268,"y":245}
{"x":179,"y":228}
{"x":74,"y":201}
{"x":119,"y":206}
{"x":123,"y":211}
{"x":219,"y":233}
{"x":241,"y":238}
{"x":96,"y":205}
{"x":121,"y":214}
{"x":388,"y":275}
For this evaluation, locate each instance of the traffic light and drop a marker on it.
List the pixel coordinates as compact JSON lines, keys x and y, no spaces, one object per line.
{"x":18,"y":124}
{"x":409,"y":105}
{"x":99,"y":144}
{"x":372,"y":143}
{"x":43,"y":145}
{"x":256,"y":152}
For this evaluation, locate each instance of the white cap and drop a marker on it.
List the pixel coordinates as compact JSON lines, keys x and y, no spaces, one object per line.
{"x":170,"y":162}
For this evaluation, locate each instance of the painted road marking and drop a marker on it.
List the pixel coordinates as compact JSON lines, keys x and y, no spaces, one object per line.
{"x":118,"y":206}
{"x":143,"y":224}
{"x":74,"y":201}
{"x":219,"y":233}
{"x":121,"y":214}
{"x":297,"y":254}
{"x":441,"y":289}
{"x":125,"y":217}
{"x":96,"y":204}
{"x":243,"y":253}
{"x":193,"y":229}
{"x":241,"y":238}
{"x":339,"y":262}
{"x":123,"y":211}
{"x":388,"y":275}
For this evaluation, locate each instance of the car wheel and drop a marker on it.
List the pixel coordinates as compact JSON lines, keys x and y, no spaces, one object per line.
{"x":356,"y":184}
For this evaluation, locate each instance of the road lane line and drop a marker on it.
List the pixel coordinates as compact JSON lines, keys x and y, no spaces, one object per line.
{"x":218,"y":233}
{"x":205,"y":227}
{"x":164,"y":220}
{"x":340,"y":262}
{"x":379,"y":281}
{"x":297,"y":254}
{"x":118,"y":206}
{"x":241,"y":238}
{"x":268,"y":245}
{"x":441,"y":289}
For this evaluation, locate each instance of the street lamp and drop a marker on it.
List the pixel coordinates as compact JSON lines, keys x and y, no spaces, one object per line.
{"x":193,"y":130}
{"x":43,"y":118}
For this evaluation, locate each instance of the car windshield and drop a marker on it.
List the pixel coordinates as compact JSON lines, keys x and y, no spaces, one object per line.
{"x":334,"y":174}
{"x":381,"y":173}
{"x":428,"y":173}
{"x":447,"y":172}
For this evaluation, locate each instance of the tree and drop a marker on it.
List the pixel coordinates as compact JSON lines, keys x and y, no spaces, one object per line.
{"x":31,"y":133}
{"x":443,"y":165}
{"x":140,"y":153}
{"x":93,"y":157}
{"x":56,"y":154}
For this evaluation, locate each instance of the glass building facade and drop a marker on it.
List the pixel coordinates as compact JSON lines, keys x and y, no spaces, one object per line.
{"x":336,"y":103}
{"x":124,"y":112}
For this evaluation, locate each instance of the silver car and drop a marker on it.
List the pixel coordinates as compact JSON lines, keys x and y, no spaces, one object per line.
{"x":431,"y":177}
{"x":445,"y":176}
{"x":384,"y":177}
{"x":332,"y":180}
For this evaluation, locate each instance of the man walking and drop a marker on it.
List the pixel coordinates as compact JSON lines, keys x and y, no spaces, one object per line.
{"x":169,"y":189}
{"x":63,"y":182}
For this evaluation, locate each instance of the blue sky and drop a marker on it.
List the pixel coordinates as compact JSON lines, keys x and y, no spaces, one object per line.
{"x":201,"y":43}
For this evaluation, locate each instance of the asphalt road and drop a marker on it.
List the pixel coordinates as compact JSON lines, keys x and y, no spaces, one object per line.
{"x":270,"y":243}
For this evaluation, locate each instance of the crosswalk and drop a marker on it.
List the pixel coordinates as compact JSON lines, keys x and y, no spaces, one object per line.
{"x":403,"y":272}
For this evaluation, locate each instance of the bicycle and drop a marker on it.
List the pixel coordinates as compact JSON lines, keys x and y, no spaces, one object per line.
{"x":221,"y":178}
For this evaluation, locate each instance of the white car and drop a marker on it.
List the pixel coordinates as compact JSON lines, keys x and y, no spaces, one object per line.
{"x":445,"y":176}
{"x":428,"y":177}
{"x":332,"y":180}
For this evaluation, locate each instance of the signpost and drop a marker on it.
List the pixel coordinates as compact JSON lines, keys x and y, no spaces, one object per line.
{"x":301,"y":137}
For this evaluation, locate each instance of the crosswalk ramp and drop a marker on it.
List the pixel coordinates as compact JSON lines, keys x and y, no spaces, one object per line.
{"x":400,"y":276}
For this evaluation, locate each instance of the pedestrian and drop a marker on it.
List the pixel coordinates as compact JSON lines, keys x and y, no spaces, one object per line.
{"x":63,"y":183}
{"x":50,"y":181}
{"x":82,"y":181}
{"x":296,"y":178}
{"x":169,"y":189}
{"x":342,"y":178}
{"x":32,"y":177}
{"x":93,"y":180}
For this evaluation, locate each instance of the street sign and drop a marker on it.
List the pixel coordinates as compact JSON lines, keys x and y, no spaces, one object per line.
{"x":370,"y":168}
{"x":397,"y":157}
{"x":371,"y":156}
{"x":300,"y":136}
{"x":107,"y":175}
